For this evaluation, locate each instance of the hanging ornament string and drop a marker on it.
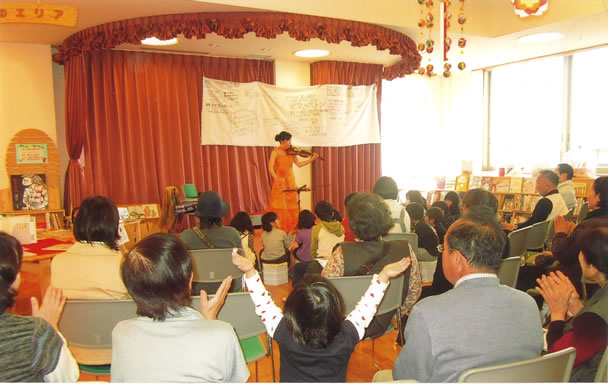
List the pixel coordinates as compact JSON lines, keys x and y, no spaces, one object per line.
{"x":447,"y":41}
{"x":462,"y":42}
{"x":426,"y":22}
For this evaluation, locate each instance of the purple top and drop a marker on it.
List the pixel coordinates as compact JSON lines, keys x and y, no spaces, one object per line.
{"x":304,"y":238}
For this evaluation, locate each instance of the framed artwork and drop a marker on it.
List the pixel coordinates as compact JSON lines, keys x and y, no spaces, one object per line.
{"x":29,"y":192}
{"x":31,"y":153}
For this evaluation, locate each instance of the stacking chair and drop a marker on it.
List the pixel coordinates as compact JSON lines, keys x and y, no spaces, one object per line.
{"x":211,"y":266}
{"x":554,"y":367}
{"x":536,"y":238}
{"x":353,"y":287}
{"x":569,"y":215}
{"x":427,"y":268}
{"x":601,"y":376}
{"x":190,"y":192}
{"x":238,"y":310}
{"x":386,"y":376}
{"x":411,"y":238}
{"x":517,"y":242}
{"x":509,"y":271}
{"x":87,"y":326}
{"x":583,"y":212}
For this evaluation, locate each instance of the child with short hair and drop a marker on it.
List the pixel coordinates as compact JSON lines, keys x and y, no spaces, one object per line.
{"x":326,"y":233}
{"x":314,"y":338}
{"x":275,"y":240}
{"x":306,"y":220}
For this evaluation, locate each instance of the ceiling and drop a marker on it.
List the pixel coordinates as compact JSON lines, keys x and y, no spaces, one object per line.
{"x":491,"y":30}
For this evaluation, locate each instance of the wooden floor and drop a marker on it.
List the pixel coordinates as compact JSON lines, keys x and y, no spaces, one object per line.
{"x":360,"y":368}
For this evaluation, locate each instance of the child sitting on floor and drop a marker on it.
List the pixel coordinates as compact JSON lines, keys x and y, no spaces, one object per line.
{"x":275,"y":240}
{"x":315,"y":341}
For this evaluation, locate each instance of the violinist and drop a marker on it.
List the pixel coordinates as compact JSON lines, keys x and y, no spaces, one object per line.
{"x":285,"y":204}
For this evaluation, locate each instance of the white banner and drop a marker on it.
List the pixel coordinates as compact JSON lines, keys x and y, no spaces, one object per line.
{"x":251,"y":114}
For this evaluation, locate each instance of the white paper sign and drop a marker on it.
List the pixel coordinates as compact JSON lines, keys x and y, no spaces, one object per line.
{"x":251,"y":114}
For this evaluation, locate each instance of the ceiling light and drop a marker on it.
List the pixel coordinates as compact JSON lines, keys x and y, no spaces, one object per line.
{"x":541,"y":37}
{"x":213,"y":45}
{"x":311,"y":53}
{"x":155,"y":41}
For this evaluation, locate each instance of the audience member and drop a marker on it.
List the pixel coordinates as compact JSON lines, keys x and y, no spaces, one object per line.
{"x":386,"y":188}
{"x":349,"y":235}
{"x":415,"y":196}
{"x":306,"y":220}
{"x":587,"y":330}
{"x":33,"y":348}
{"x":443,"y":206}
{"x":275,"y":240}
{"x":242,"y":223}
{"x":211,"y":232}
{"x":566,"y":186}
{"x":370,"y":220}
{"x":327,"y":232}
{"x":315,"y":340}
{"x":453,"y":202}
{"x":90,"y":269}
{"x":552,"y":204}
{"x":170,"y":341}
{"x":433,"y":217}
{"x":479,"y":197}
{"x":427,"y":237}
{"x":473,"y":324}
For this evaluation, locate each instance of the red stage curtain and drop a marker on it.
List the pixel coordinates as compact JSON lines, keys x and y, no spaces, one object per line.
{"x":346,"y":169}
{"x":143,"y":125}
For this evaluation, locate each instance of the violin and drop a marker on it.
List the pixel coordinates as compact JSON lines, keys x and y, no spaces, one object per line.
{"x":293,"y":151}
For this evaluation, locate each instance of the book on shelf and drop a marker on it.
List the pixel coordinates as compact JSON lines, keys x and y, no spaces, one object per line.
{"x":486,"y":183}
{"x":142,"y":211}
{"x":516,"y":184}
{"x":450,"y":183}
{"x":500,"y":184}
{"x":475,"y":182}
{"x":580,"y":189}
{"x":529,"y":185}
{"x":507,"y":203}
{"x":506,"y":217}
{"x":462,"y":183}
{"x":579,"y":203}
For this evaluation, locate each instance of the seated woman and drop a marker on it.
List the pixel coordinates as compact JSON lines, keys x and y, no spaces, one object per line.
{"x":170,"y":341}
{"x":370,"y":219}
{"x":211,"y":232}
{"x":32,"y":347}
{"x":427,"y":237}
{"x":414,"y":196}
{"x":587,"y":330}
{"x":242,"y":223}
{"x":453,"y":202}
{"x":90,"y":269}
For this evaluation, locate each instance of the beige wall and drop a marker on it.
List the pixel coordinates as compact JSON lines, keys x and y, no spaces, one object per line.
{"x":26,"y":94}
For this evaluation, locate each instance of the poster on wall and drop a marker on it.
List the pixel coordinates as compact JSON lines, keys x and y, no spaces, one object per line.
{"x":29,"y":192}
{"x":31,"y":154}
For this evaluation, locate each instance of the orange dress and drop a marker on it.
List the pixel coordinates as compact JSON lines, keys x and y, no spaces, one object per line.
{"x":284,"y":204}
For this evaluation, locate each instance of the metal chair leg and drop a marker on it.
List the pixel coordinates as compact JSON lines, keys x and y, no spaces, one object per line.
{"x":274,"y":380}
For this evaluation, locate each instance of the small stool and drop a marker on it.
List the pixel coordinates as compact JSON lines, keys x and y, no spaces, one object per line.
{"x":275,"y":274}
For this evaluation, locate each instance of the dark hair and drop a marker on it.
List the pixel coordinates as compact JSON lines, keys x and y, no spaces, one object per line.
{"x":157,"y":274}
{"x":550,"y":176}
{"x":282,"y":136}
{"x":600,"y":186}
{"x":567,"y":169}
{"x":314,"y":312}
{"x":415,"y":210}
{"x":326,"y":212}
{"x":306,"y":219}
{"x":369,"y":217}
{"x":453,"y":209}
{"x":441,"y":205}
{"x":268,"y":218}
{"x":479,"y":237}
{"x":415,"y":196}
{"x":242,"y":222}
{"x":434,"y":213}
{"x":97,"y":220}
{"x":11,"y":255}
{"x":386,"y":188}
{"x":210,"y":222}
{"x":594,"y":245}
{"x":349,"y":197}
{"x":476,"y":197}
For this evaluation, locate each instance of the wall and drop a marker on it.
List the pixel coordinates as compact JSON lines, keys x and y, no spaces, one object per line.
{"x":296,"y":74}
{"x":26,"y":98}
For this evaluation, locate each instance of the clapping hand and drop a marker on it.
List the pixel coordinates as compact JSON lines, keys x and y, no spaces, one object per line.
{"x":243,"y":264}
{"x":559,"y":294}
{"x":394,"y":269}
{"x":562,"y":226}
{"x":210,"y":308}
{"x":51,"y":307}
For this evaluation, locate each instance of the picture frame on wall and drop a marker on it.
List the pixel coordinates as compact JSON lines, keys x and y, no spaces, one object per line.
{"x":29,"y":192}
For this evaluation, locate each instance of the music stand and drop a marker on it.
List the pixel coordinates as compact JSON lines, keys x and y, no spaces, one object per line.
{"x":303,"y":188}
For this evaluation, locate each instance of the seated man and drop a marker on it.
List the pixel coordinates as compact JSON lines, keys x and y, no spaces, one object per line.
{"x":566,"y":186}
{"x":552,"y":204}
{"x":477,"y":323}
{"x":427,"y":237}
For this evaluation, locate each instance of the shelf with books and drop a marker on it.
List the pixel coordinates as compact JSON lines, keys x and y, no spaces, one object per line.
{"x":45,"y":218}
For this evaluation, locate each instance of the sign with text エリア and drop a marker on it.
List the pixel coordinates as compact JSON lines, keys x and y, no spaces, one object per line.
{"x":33,"y":13}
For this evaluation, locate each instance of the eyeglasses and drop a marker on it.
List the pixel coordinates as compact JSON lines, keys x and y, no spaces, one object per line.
{"x":440,"y":248}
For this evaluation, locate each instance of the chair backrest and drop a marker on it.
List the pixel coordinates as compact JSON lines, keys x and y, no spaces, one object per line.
{"x":569,"y":215}
{"x":583,"y":211}
{"x":601,"y":376}
{"x":89,"y":323}
{"x":353,"y":287}
{"x":509,"y":271}
{"x":411,"y":238}
{"x":554,"y":367}
{"x":537,"y":235}
{"x":239,"y":311}
{"x":189,"y":191}
{"x":517,"y":242}
{"x":213,"y":265}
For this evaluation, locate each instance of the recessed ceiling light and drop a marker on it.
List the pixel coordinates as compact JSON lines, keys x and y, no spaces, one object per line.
{"x":155,"y":41}
{"x":213,"y":45}
{"x":541,"y":37}
{"x":312,"y":53}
